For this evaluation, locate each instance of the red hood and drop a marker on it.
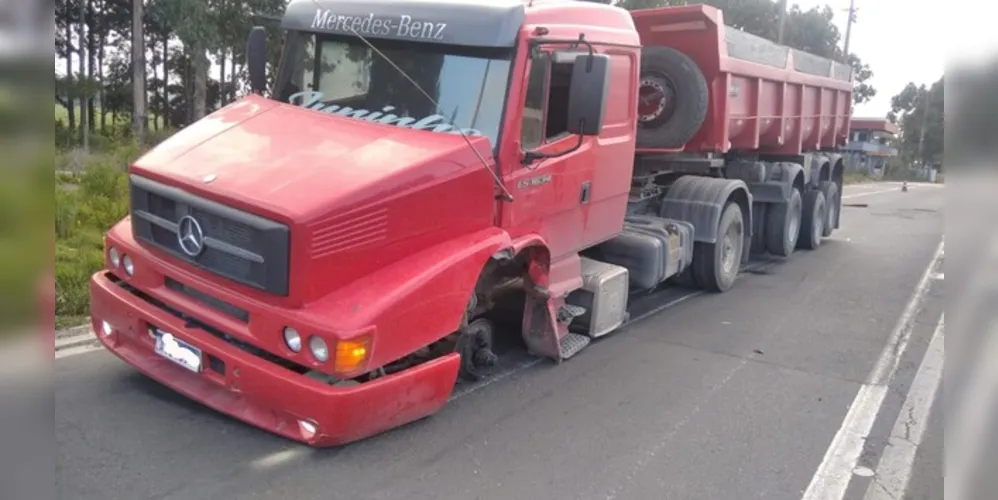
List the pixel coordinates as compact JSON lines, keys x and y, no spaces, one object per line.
{"x":270,"y":157}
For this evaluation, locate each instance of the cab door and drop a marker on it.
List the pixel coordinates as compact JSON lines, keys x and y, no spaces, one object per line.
{"x":578,"y":197}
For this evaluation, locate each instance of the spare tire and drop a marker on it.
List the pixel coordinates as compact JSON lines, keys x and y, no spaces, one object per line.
{"x":672,"y":98}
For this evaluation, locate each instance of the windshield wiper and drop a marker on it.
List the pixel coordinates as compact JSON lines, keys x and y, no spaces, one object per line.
{"x":505,"y":195}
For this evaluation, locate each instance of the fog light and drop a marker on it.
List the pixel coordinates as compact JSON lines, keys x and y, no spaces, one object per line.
{"x":292,"y":339}
{"x":319,"y":349}
{"x":129,"y":266}
{"x":308,"y":429}
{"x":114,"y":257}
{"x":106,"y":328}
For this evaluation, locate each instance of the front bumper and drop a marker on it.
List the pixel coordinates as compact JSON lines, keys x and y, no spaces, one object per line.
{"x":258,"y":391}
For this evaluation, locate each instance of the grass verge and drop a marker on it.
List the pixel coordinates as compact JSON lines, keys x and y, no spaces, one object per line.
{"x":87,"y":204}
{"x":856,"y":178}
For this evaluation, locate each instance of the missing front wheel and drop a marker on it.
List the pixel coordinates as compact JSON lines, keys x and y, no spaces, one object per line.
{"x":474,"y":345}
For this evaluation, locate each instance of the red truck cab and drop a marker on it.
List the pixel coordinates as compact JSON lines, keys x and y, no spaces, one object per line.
{"x":323,"y":258}
{"x":300,"y":245}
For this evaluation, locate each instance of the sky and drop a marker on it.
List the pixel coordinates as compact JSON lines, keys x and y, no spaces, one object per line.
{"x":899,"y":39}
{"x":909,"y":40}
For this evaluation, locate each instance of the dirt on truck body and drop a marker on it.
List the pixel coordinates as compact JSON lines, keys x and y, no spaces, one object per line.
{"x":327,"y":256}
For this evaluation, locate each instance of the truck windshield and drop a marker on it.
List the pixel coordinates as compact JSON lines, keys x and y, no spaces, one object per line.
{"x":343,"y":76}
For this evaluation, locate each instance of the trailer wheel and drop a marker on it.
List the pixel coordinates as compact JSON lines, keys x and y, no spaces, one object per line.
{"x":831,"y":192}
{"x":716,"y":265}
{"x":672,"y":98}
{"x":783,"y":224}
{"x":760,"y":212}
{"x":813,"y":220}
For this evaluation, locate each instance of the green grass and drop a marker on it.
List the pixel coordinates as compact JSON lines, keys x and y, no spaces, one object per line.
{"x":62,"y":322}
{"x":86,"y":206}
{"x":62,"y":116}
{"x":856,"y":178}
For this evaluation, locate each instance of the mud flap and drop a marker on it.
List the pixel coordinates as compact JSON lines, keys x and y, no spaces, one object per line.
{"x":541,"y":327}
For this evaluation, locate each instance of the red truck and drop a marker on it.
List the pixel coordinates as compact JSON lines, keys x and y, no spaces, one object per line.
{"x":328,"y":256}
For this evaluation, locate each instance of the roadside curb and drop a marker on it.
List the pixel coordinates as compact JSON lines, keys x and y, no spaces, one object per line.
{"x":73,"y":330}
{"x":75,"y":336}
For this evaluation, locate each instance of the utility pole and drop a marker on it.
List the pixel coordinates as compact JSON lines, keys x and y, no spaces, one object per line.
{"x":851,"y":19}
{"x":783,"y":21}
{"x":925,"y":122}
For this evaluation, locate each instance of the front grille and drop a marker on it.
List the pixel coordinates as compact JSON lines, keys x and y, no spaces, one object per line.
{"x":237,"y":245}
{"x":208,"y":300}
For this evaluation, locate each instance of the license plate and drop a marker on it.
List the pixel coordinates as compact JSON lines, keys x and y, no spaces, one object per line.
{"x":178,"y":351}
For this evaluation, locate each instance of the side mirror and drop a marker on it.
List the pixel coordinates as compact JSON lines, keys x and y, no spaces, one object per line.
{"x":256,"y":59}
{"x":587,"y":94}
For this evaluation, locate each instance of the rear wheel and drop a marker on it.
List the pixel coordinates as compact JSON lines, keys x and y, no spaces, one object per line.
{"x":783,"y":225}
{"x":813,"y":220}
{"x":831,"y":192}
{"x":716,"y":265}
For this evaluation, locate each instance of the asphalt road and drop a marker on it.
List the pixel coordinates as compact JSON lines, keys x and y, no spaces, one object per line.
{"x":747,"y":394}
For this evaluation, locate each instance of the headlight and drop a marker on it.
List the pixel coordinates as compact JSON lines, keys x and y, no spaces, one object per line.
{"x":292,"y":339}
{"x":114,"y":257}
{"x":129,"y":266}
{"x":319,"y":349}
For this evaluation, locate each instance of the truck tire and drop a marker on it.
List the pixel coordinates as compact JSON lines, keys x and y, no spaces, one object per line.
{"x":783,"y":225}
{"x":831,"y":192}
{"x":672,"y":99}
{"x":716,"y":265}
{"x":760,"y":213}
{"x":813,"y":220}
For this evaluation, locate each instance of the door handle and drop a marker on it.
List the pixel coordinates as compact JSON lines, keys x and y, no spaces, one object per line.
{"x":584,"y":194}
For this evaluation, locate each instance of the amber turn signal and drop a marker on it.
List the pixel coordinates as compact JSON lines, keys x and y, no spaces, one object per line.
{"x":351,"y":354}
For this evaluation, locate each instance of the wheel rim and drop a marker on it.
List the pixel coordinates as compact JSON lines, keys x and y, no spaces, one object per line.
{"x":794,"y":229}
{"x":730,"y":245}
{"x":656,"y":98}
{"x":818,"y":226}
{"x":832,"y":209}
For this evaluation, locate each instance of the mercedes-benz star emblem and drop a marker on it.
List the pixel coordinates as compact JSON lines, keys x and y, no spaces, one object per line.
{"x":190,"y":236}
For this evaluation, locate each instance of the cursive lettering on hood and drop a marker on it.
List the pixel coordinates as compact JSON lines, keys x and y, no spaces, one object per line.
{"x":311,"y":99}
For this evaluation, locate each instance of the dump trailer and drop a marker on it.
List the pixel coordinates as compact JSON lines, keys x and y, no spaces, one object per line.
{"x":328,"y":256}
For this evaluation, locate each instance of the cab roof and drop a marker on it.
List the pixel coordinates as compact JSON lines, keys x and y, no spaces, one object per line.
{"x":481,"y":23}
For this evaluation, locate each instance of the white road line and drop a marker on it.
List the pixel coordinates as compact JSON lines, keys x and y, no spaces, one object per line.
{"x":512,"y":371}
{"x":832,"y":478}
{"x":895,"y":466}
{"x":968,"y":426}
{"x":869,"y":193}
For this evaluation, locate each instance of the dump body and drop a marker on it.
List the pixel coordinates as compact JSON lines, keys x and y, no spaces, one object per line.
{"x":764,"y":96}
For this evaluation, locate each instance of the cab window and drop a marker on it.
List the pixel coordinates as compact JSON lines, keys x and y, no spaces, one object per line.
{"x":545,"y":113}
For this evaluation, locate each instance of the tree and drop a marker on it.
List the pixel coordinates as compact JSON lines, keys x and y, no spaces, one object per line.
{"x":918,"y":112}
{"x":84,"y":111}
{"x":139,"y":119}
{"x":861,"y":74}
{"x":811,"y":30}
